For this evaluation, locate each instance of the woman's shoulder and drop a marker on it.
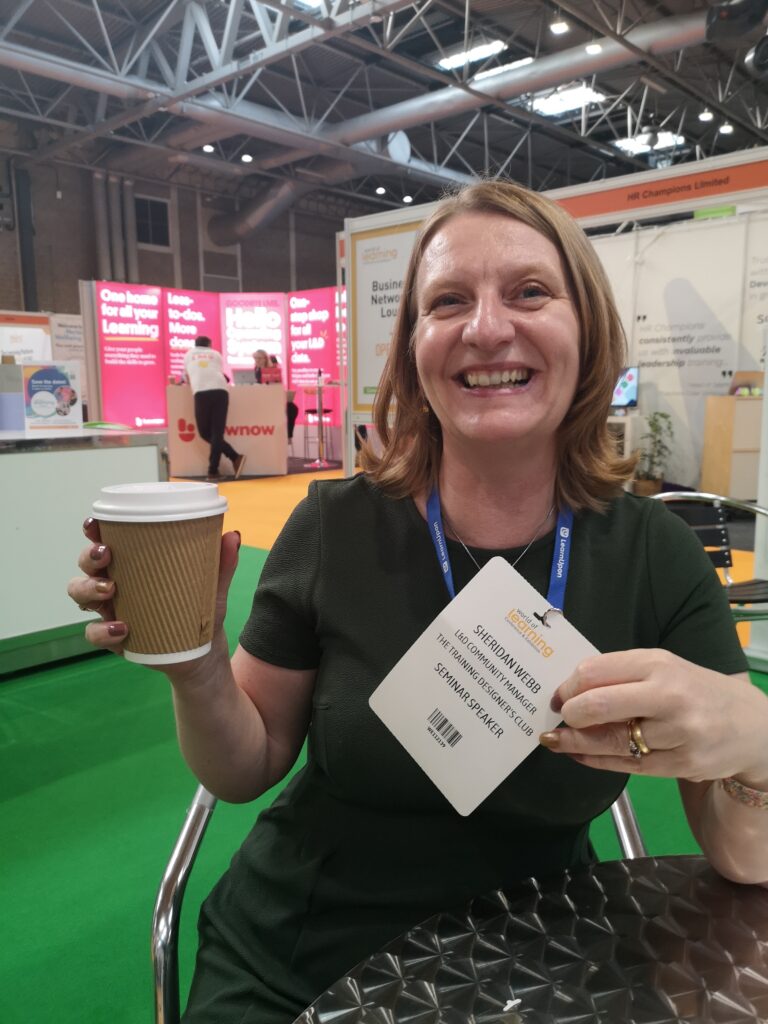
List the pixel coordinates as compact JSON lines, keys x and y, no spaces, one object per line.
{"x":628,"y":517}
{"x":347,"y":490}
{"x":358,"y":501}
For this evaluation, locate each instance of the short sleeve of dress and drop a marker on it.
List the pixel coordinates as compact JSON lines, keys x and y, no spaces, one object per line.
{"x":281,"y":628}
{"x":690,"y":603}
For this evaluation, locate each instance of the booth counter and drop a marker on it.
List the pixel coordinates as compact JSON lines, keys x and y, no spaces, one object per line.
{"x":256,"y":427}
{"x":50,"y":480}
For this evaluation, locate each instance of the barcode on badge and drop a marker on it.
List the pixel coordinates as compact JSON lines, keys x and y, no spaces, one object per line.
{"x":441,"y":725}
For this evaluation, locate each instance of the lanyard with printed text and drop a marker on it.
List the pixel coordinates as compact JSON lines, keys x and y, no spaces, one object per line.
{"x":558,"y":574}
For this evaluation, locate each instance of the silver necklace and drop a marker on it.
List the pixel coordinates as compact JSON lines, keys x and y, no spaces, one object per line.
{"x":523,"y":552}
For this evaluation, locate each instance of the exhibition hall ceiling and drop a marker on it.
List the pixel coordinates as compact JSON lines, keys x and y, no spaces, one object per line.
{"x":357,"y":105}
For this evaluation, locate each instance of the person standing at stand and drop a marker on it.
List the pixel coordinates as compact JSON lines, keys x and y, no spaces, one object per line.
{"x":202,"y":369}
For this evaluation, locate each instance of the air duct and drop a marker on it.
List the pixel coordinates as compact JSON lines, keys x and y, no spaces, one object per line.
{"x":543,"y":73}
{"x":231,"y":228}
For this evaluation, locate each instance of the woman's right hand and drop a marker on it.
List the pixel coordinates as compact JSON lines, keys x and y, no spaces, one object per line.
{"x":94,"y":592}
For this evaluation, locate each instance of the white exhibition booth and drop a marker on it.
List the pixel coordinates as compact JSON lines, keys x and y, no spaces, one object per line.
{"x":693,"y":297}
{"x":256,"y":427}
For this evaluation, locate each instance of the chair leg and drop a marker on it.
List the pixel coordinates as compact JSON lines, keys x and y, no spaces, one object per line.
{"x":167,"y":912}
{"x":627,"y":828}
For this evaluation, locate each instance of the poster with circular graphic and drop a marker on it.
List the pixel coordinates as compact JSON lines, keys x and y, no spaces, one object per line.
{"x":52,"y":395}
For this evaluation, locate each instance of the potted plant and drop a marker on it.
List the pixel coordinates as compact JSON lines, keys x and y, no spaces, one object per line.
{"x":654,"y":453}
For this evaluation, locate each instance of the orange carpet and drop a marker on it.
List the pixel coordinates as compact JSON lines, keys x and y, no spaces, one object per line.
{"x":259,"y":508}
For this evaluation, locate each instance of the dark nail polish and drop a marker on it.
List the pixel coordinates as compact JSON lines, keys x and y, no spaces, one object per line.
{"x":88,"y":523}
{"x":97,"y":552}
{"x":556,"y":704}
{"x":239,"y":539}
{"x":117,"y":629}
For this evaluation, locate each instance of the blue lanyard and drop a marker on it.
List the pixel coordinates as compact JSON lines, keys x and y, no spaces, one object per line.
{"x":558,"y":575}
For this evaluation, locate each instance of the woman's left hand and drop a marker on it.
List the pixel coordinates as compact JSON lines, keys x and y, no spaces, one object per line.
{"x":698,"y":724}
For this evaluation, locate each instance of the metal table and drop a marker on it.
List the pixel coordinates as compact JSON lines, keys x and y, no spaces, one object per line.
{"x":647,"y":941}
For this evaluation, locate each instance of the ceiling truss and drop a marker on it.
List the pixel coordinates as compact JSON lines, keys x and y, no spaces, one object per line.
{"x":347,"y":96}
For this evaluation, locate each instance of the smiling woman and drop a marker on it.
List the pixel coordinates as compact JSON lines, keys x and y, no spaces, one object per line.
{"x":496,"y":341}
{"x":402,"y":621}
{"x":507,"y":281}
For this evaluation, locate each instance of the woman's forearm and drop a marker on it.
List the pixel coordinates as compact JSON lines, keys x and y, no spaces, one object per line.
{"x":221,"y":733}
{"x":732,"y":835}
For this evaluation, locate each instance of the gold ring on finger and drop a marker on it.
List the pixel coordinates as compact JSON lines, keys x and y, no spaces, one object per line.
{"x":637,"y":746}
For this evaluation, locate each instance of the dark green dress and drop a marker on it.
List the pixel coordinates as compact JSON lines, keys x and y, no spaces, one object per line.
{"x":361,"y":845}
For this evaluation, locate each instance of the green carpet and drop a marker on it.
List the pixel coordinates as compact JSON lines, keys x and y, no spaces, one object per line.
{"x":93,"y":792}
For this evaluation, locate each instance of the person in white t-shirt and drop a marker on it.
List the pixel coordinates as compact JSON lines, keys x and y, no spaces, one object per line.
{"x":202,"y":369}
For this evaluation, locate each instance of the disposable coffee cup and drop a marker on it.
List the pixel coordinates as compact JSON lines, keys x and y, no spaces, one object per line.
{"x":165,"y":540}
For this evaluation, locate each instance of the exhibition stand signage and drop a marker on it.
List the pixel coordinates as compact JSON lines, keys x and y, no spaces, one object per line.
{"x":142,"y":333}
{"x":131,"y":353}
{"x":256,"y":427}
{"x":250,"y":321}
{"x":52,"y":396}
{"x":186,"y":315}
{"x":313,"y":349}
{"x":26,"y":336}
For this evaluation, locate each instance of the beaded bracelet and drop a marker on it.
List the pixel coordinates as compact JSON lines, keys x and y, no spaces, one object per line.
{"x":745,"y":794}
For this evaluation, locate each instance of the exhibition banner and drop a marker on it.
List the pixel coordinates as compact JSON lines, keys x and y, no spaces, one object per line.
{"x":313,"y":350}
{"x":67,"y":343}
{"x":638,"y":194}
{"x":617,"y":254}
{"x":379,"y":259}
{"x":687,"y":321}
{"x":249,"y":321}
{"x":26,"y":336}
{"x":52,"y":396}
{"x":186,"y":315}
{"x":131,"y":353}
{"x":754,"y":325}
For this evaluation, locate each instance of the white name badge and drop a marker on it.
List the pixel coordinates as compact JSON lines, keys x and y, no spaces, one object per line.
{"x":469,"y":699}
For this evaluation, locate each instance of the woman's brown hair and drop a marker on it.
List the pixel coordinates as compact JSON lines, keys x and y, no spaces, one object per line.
{"x":589,"y":469}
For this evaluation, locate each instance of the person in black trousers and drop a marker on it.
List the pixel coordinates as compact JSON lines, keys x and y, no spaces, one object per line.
{"x":202,"y":368}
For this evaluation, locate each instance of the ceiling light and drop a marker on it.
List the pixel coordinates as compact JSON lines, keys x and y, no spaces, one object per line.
{"x":706,"y":114}
{"x":726,"y":128}
{"x":502,"y":67}
{"x":380,"y":190}
{"x":650,"y":140}
{"x":246,"y":158}
{"x":479,"y":52}
{"x":593,"y":48}
{"x":208,"y":148}
{"x":567,"y":97}
{"x":559,"y":27}
{"x":407,"y":199}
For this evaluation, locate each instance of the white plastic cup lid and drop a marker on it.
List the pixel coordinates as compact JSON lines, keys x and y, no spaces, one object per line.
{"x":158,"y":502}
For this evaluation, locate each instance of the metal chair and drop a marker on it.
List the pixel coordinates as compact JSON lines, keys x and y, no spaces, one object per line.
{"x":709,"y":515}
{"x":167,"y":914}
